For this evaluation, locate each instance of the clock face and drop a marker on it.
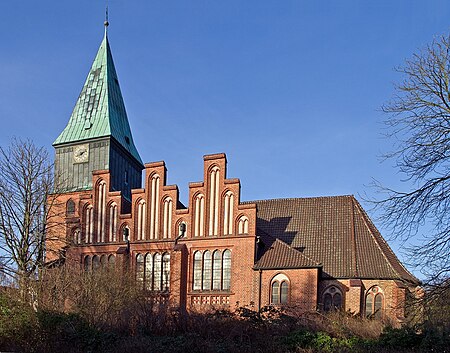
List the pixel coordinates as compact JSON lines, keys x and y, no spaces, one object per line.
{"x":81,"y":153}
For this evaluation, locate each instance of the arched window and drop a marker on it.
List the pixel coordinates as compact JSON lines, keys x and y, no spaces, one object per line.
{"x":101,"y":210}
{"x":284,"y":288}
{"x":199,"y":215}
{"x":140,"y":268}
{"x":111,"y":261}
{"x":95,"y":262}
{"x":113,"y":222}
{"x":157,"y":264}
{"x":141,"y":215}
{"x":217,"y":270}
{"x":226,"y":270}
{"x":166,"y":272}
{"x":87,"y":263}
{"x":103,"y":261}
{"x":125,"y":233}
{"x":332,"y":298}
{"x":76,"y":236}
{"x":167,"y":218}
{"x":182,"y":229}
{"x":228,"y":213}
{"x":197,"y":280}
{"x":275,"y":293}
{"x":279,"y":289}
{"x":89,"y":224}
{"x":212,"y":270}
{"x":374,"y":302}
{"x":70,"y":207}
{"x":149,"y":272}
{"x":214,"y":201}
{"x":207,"y":270}
{"x":243,"y":225}
{"x":154,"y":206}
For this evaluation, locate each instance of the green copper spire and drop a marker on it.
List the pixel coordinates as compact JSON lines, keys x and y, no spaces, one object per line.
{"x":100,"y":110}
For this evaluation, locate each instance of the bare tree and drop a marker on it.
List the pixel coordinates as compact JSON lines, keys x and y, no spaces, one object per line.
{"x":419,"y":123}
{"x":25,"y":184}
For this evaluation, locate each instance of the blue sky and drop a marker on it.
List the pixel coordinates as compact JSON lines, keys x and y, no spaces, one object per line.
{"x":289,"y":90}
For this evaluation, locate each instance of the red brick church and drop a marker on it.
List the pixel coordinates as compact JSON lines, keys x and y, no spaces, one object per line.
{"x":218,"y":250}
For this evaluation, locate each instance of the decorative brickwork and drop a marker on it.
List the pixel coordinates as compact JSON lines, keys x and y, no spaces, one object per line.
{"x":216,"y":251}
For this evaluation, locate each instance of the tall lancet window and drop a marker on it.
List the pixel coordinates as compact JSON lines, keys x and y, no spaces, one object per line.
{"x":154,"y":206}
{"x":101,"y":211}
{"x":228,"y":207}
{"x":141,"y":216}
{"x":214,"y":201}
{"x":167,"y":218}
{"x":243,"y":225}
{"x":113,"y":222}
{"x":199,"y":215}
{"x":89,"y":224}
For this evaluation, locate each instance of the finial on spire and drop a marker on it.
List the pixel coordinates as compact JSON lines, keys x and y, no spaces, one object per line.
{"x":106,"y":23}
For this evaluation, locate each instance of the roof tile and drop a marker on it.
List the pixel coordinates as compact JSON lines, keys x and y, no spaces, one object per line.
{"x":334,"y":231}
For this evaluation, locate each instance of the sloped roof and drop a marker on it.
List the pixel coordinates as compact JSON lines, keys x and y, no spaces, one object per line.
{"x":100,"y":110}
{"x":333,"y":231}
{"x":278,"y":255}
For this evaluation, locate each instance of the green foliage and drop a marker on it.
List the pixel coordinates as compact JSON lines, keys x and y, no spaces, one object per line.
{"x":17,"y":322}
{"x":319,"y":341}
{"x":56,"y":329}
{"x":404,"y":337}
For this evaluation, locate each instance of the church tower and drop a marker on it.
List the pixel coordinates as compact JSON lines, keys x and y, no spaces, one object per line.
{"x":98,"y":135}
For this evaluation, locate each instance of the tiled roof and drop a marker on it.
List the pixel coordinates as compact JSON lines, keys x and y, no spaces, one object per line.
{"x":333,"y":231}
{"x":278,"y":255}
{"x":100,"y":110}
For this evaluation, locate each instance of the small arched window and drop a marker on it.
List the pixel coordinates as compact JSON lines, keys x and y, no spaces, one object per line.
{"x":279,"y":289}
{"x":207,"y":270}
{"x":182,"y":229}
{"x":111,"y":261}
{"x":284,"y":292}
{"x":197,"y":278}
{"x":103,"y":261}
{"x":374,"y":303}
{"x":76,"y":236}
{"x":95,"y":262}
{"x":126,"y":233}
{"x":166,"y":272}
{"x":87,"y":263}
{"x":157,"y":271}
{"x":217,"y":270}
{"x":332,"y":298}
{"x":243,"y":225}
{"x":226,"y":270}
{"x":275,"y":293}
{"x":149,"y":272}
{"x":140,"y":268}
{"x":70,"y":207}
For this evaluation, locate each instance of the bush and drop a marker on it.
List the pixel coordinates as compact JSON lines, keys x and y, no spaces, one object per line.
{"x":18,"y":324}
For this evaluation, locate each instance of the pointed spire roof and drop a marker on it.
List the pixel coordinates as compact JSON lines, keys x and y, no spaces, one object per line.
{"x":100,"y":110}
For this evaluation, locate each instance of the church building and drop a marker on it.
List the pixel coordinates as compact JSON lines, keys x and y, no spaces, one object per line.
{"x":218,"y":251}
